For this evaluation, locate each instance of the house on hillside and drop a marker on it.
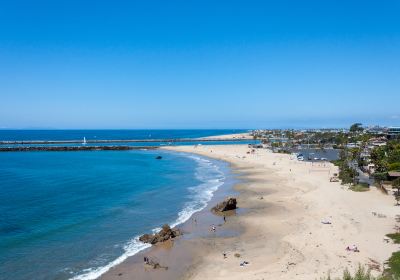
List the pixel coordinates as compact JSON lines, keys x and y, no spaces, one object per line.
{"x":392,"y":175}
{"x":393,"y":132}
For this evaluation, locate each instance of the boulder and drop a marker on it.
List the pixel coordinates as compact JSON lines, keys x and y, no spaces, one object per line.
{"x":164,"y":234}
{"x":226,"y":205}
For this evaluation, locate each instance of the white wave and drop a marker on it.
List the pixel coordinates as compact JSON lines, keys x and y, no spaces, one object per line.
{"x":131,"y":248}
{"x":211,"y":177}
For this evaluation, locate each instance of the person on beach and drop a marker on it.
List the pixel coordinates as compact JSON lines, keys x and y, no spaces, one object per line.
{"x":224,"y":219}
{"x":213,"y":228}
{"x":352,"y":248}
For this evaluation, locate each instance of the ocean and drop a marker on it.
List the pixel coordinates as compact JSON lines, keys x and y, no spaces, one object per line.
{"x":73,"y":215}
{"x":109,"y":134}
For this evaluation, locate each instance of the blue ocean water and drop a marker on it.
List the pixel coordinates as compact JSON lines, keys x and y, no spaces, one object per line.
{"x":110,"y":134}
{"x":72,"y":215}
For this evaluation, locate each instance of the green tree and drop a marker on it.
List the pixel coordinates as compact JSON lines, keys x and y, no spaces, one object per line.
{"x":380,"y":177}
{"x":379,"y":159}
{"x":356,"y":127}
{"x":396,"y":185}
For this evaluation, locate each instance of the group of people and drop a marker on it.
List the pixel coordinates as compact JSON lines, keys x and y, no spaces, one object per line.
{"x":352,"y":248}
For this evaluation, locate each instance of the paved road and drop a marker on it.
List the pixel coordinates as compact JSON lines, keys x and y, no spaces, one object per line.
{"x":362,"y":177}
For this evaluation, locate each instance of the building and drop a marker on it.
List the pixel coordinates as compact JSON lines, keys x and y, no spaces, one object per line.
{"x":393,"y":175}
{"x":393,"y":132}
{"x":377,"y":130}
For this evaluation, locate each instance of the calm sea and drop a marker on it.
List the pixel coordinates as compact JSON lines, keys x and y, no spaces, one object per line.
{"x":72,"y":215}
{"x":110,"y":134}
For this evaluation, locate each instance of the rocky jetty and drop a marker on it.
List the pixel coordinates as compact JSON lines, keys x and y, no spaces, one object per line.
{"x":226,"y":205}
{"x":72,"y":148}
{"x":164,"y":234}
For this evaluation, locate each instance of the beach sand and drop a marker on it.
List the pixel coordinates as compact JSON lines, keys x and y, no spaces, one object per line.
{"x":285,"y":202}
{"x":278,"y":228}
{"x":245,"y":135}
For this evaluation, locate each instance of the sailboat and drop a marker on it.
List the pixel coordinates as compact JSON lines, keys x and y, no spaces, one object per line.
{"x":84,"y":141}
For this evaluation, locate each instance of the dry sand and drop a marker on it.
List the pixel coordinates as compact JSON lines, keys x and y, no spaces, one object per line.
{"x":284,"y":202}
{"x":244,"y":135}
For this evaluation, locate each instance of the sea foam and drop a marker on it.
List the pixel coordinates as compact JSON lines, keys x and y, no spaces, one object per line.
{"x":211,"y":178}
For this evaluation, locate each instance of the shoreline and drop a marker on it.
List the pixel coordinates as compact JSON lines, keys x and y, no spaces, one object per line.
{"x":279,"y":229}
{"x":181,"y":249}
{"x":284,"y":237}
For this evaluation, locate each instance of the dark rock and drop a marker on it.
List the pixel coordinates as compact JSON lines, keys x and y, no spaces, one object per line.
{"x":71,"y":148}
{"x":226,"y":205}
{"x":159,"y":157}
{"x":164,"y":234}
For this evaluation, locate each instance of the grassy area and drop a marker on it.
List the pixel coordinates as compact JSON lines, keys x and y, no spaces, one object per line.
{"x":392,"y":273}
{"x":395,"y":237}
{"x":360,"y":274}
{"x":337,"y":162}
{"x":359,"y":188}
{"x":393,"y":270}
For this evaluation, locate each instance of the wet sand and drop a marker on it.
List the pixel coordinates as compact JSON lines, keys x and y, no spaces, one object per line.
{"x":180,"y":256}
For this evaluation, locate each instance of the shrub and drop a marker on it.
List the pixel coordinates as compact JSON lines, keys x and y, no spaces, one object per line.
{"x":395,"y":237}
{"x":394,"y":166}
{"x":361,"y":187}
{"x":393,"y":270}
{"x":360,"y":274}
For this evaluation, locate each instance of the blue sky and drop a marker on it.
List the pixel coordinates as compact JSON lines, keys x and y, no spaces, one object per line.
{"x":199,"y":64}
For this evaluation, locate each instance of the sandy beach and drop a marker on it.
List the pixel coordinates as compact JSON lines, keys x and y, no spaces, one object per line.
{"x":279,"y":230}
{"x":245,"y":135}
{"x":284,"y":237}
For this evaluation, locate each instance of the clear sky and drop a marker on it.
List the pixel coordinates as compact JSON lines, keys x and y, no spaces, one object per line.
{"x":199,"y":64}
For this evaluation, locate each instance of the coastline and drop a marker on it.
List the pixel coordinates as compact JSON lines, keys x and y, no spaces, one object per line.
{"x":283,"y":235}
{"x":243,"y":136}
{"x":180,"y":254}
{"x":279,"y":231}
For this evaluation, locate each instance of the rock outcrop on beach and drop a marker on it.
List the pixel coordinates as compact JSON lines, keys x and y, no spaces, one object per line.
{"x":164,"y":234}
{"x":226,"y":205}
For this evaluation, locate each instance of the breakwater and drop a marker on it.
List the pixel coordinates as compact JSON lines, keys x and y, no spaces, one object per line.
{"x":75,"y":148}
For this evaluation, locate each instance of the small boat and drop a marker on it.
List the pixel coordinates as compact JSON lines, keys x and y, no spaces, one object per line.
{"x":159,"y":157}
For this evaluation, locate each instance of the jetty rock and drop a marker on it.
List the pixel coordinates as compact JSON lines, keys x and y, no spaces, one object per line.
{"x":226,"y":205}
{"x":164,"y":234}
